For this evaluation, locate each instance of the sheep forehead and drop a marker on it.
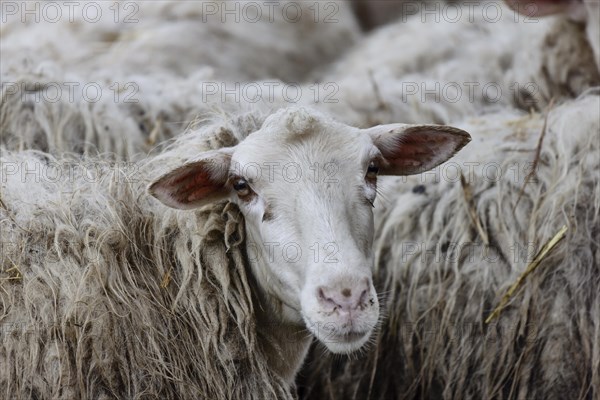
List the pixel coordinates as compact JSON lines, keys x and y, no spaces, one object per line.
{"x":306,"y":143}
{"x":294,"y":121}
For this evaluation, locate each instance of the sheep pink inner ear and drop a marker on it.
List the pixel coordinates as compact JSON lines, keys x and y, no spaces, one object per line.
{"x":412,"y":149}
{"x":541,"y":8}
{"x":195,"y":183}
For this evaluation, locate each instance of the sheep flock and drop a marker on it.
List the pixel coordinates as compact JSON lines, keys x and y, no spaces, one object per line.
{"x":226,"y":199}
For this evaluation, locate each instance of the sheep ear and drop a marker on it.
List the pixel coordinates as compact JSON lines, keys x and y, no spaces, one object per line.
{"x":195,"y":183}
{"x":412,"y":149}
{"x":541,"y":8}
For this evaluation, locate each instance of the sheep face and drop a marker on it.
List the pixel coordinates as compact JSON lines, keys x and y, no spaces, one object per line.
{"x":306,"y":186}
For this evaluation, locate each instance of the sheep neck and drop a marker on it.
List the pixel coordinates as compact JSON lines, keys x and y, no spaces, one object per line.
{"x":281,"y":333}
{"x":285,"y":345}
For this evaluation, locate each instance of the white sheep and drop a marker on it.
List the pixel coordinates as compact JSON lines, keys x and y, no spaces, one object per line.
{"x":237,"y":40}
{"x":448,"y":252}
{"x":133,"y":118}
{"x":373,"y":84}
{"x":144,"y":71}
{"x":452,"y":60}
{"x":105,"y":292}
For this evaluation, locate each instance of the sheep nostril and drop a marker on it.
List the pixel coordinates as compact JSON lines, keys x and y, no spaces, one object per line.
{"x":325,"y":299}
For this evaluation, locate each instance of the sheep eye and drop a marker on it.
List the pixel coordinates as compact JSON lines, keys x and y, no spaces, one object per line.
{"x":372,"y":170}
{"x":241,"y":186}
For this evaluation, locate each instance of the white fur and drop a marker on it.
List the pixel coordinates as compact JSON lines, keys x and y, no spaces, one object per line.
{"x":443,"y":275}
{"x":308,"y":247}
{"x":182,"y":37}
{"x":386,"y":77}
{"x":156,"y":76}
{"x":368,"y":86}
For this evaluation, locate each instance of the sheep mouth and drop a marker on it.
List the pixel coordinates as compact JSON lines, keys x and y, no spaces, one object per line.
{"x":349,"y":337}
{"x":338,"y":339}
{"x":346,"y":342}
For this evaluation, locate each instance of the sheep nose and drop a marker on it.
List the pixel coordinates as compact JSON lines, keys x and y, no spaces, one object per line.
{"x":344,"y":297}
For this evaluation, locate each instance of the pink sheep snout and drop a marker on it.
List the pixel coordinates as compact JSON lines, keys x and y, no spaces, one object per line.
{"x":344,"y":298}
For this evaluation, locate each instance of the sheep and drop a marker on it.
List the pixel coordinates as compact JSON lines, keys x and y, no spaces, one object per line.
{"x":139,"y":74}
{"x":122,"y":122}
{"x":370,"y":86}
{"x":106,"y":293}
{"x":450,"y":61}
{"x":239,"y":41}
{"x":447,"y":253}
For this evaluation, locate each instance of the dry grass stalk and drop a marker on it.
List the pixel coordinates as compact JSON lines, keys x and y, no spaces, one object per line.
{"x":539,"y":257}
{"x":536,"y":159}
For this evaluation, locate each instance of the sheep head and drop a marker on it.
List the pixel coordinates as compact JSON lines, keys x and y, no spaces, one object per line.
{"x":306,"y":186}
